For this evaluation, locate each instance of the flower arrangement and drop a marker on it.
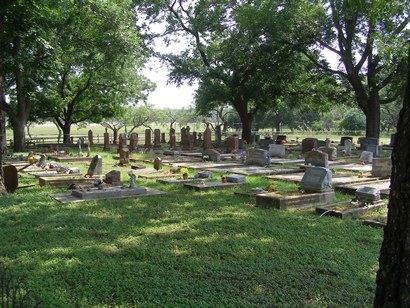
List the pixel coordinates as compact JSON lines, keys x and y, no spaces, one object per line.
{"x":184,"y":172}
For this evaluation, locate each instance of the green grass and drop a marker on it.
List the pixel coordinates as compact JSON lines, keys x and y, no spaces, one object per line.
{"x":183,"y":249}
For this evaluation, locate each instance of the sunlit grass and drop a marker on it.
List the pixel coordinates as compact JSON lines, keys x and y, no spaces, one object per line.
{"x":185,"y":248}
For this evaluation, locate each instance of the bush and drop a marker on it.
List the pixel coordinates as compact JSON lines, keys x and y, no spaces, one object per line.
{"x":353,"y":121}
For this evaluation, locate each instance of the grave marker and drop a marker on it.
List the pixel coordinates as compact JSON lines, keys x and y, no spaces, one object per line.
{"x":277,"y":150}
{"x":317,"y":158}
{"x":366,"y":157}
{"x":316,"y":179}
{"x":258,"y":157}
{"x":381,"y":167}
{"x":232,"y":144}
{"x":207,"y":138}
{"x":308,"y":144}
{"x":148,"y":143}
{"x":95,"y":168}
{"x":124,"y":156}
{"x":90,"y":137}
{"x":157,"y":139}
{"x":113,"y":178}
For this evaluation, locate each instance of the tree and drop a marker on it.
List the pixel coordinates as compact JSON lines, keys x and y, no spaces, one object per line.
{"x":368,"y":38}
{"x":393,"y":277}
{"x":98,"y":56}
{"x":238,"y":51}
{"x":25,"y":57}
{"x":353,"y":121}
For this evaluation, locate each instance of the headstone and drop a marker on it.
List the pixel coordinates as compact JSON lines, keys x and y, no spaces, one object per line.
{"x":280,"y":139}
{"x":81,"y":140}
{"x":133,"y":142}
{"x":133,"y":178}
{"x":235,"y":178}
{"x":79,"y":146}
{"x":218,"y":135}
{"x":106,"y":141}
{"x":348,"y":147}
{"x":367,"y":194}
{"x":163,"y":138}
{"x":317,"y":158}
{"x":157,"y":163}
{"x":258,"y":157}
{"x":113,"y":178}
{"x":90,"y":137}
{"x":172,"y":139}
{"x":316,"y":179}
{"x":265,"y":143}
{"x":204,"y":175}
{"x":232,"y":144}
{"x":88,"y":149}
{"x":381,"y":167}
{"x":122,"y":141}
{"x":308,"y":144}
{"x":124,"y":156}
{"x":10,"y":178}
{"x":148,"y":143}
{"x":95,"y":167}
{"x":343,"y":139}
{"x":370,"y":144}
{"x":212,"y":155}
{"x":277,"y":150}
{"x":366,"y":157}
{"x":157,"y":139}
{"x":183,"y":142}
{"x":330,"y":151}
{"x":207,"y":139}
{"x":42,"y":162}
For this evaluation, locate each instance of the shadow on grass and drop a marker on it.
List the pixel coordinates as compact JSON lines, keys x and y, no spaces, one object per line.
{"x":185,"y":248}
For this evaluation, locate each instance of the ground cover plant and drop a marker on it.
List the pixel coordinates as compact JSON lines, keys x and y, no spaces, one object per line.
{"x":185,"y":248}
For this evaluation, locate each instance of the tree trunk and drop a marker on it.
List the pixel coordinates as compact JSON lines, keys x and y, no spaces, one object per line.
{"x":115,"y":135}
{"x":19,"y":136}
{"x":373,"y":118}
{"x":393,"y":277}
{"x":246,"y":127}
{"x":66,"y":128}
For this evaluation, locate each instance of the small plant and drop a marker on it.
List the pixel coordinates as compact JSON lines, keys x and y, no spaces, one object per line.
{"x":184,"y":172}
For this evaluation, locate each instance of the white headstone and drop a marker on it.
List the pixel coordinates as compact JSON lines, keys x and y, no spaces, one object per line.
{"x":316,"y":179}
{"x":348,"y":147}
{"x":277,"y":150}
{"x":366,"y":157}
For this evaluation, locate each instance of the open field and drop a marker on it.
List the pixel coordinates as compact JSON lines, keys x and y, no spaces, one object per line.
{"x":49,"y":133}
{"x":184,"y":248}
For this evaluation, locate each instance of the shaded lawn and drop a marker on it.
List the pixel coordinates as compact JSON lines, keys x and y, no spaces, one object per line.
{"x":185,"y":248}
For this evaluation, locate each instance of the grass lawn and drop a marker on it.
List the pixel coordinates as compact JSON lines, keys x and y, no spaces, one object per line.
{"x":185,"y":248}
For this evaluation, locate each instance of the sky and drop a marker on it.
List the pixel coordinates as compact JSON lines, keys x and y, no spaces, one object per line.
{"x":167,"y":95}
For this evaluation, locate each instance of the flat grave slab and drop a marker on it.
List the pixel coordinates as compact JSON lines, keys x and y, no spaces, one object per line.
{"x":208,"y":165}
{"x":347,"y":209}
{"x":173,"y":160}
{"x":281,"y":201}
{"x":194,"y":154}
{"x":64,"y":181}
{"x":337,"y":179}
{"x":176,"y":180}
{"x":382,"y":185}
{"x":55,"y":174}
{"x":211,"y":185}
{"x":70,"y":159}
{"x":254,"y":170}
{"x":157,"y":175}
{"x":116,"y":192}
{"x":355,"y":167}
{"x":282,"y":161}
{"x":374,"y":223}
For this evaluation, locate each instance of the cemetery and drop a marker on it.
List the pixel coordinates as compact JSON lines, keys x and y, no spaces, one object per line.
{"x":204,"y":153}
{"x":261,"y":184}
